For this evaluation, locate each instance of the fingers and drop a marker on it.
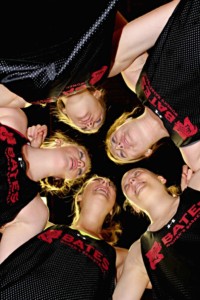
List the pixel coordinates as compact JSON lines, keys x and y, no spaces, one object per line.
{"x":36,"y":135}
{"x":37,"y":130}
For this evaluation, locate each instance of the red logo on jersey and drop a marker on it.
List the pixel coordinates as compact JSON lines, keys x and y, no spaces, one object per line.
{"x":154,"y":255}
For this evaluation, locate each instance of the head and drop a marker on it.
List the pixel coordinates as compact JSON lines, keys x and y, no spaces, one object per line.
{"x":99,"y":191}
{"x":139,"y":184}
{"x":125,"y":141}
{"x":77,"y":163}
{"x":84,"y":110}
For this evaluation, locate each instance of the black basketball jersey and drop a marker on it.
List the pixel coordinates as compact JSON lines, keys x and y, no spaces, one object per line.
{"x":16,"y":188}
{"x":171,"y":254}
{"x":169,"y":82}
{"x":60,"y":263}
{"x":55,"y":46}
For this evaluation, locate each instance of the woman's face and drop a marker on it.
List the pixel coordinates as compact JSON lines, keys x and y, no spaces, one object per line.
{"x":101,"y":192}
{"x":138,"y":183}
{"x":127,"y":142}
{"x":76,"y":162}
{"x":84,"y":110}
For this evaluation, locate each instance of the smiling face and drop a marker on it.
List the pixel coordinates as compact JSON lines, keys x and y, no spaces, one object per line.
{"x":101,"y":191}
{"x":139,"y":184}
{"x":85,"y":110}
{"x":77,"y":161}
{"x":127,"y":142}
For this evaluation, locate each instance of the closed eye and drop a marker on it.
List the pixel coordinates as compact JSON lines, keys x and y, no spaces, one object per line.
{"x":98,"y":121}
{"x":81,"y":154}
{"x":80,"y":172}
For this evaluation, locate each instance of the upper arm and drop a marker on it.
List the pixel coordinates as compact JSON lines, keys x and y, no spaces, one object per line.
{"x":132,"y":73}
{"x":191,"y":155}
{"x":121,"y":254}
{"x":134,"y":278}
{"x":30,"y":221}
{"x":195,"y":181}
{"x":10,"y":99}
{"x":139,"y":35}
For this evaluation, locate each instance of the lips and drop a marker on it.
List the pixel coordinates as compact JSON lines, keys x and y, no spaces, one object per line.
{"x":74,"y":164}
{"x":138,"y":187}
{"x":124,"y":141}
{"x":86,"y":119}
{"x":102,"y":190}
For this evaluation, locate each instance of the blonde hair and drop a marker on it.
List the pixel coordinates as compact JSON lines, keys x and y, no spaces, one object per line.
{"x":136,"y":112}
{"x":61,"y":186}
{"x":65,"y":119}
{"x":118,"y":122}
{"x":111,"y":229}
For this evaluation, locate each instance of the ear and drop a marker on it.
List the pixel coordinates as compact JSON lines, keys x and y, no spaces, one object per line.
{"x":79,"y":198}
{"x":128,"y":119}
{"x":111,"y":212}
{"x":162,"y":179}
{"x":97,"y":94}
{"x":58,"y":142}
{"x":148,"y":152}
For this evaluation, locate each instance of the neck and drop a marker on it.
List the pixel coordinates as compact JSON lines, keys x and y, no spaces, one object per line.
{"x":42,"y":162}
{"x":163,"y":213}
{"x":89,"y":225}
{"x":153,"y":121}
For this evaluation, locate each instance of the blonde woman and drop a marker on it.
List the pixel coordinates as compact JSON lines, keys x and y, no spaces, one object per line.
{"x":24,"y":164}
{"x":71,"y":262}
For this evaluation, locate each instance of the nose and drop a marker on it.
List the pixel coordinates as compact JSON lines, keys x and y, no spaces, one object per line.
{"x":119,"y":146}
{"x":132,"y":180}
{"x":81,"y":163}
{"x":90,"y":124}
{"x":104,"y":181}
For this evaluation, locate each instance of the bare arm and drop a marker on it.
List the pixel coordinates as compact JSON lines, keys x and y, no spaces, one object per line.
{"x":132,"y":73}
{"x":121,"y":254}
{"x":134,"y":279}
{"x":191,"y":155}
{"x":10,"y":99}
{"x":140,"y":35}
{"x":30,"y":221}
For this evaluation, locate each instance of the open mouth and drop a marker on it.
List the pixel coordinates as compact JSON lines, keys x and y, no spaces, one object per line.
{"x":139,"y":186}
{"x":74,"y":164}
{"x":102,"y":190}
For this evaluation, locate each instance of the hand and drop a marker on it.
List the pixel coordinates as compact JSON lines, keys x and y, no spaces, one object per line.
{"x":36,"y":135}
{"x":185,"y":177}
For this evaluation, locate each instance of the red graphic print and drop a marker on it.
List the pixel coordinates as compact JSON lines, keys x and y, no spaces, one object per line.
{"x":96,"y":76}
{"x":185,"y":130}
{"x":154,"y":256}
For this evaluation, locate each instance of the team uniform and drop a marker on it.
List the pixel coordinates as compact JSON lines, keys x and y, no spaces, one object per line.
{"x":68,"y":47}
{"x":171,"y":254}
{"x":60,"y":263}
{"x":169,"y":81}
{"x":16,"y":189}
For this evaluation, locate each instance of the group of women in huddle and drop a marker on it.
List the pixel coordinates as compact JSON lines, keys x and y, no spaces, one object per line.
{"x":157,"y":56}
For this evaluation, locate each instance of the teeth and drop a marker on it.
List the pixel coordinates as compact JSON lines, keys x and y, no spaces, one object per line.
{"x":103,"y":190}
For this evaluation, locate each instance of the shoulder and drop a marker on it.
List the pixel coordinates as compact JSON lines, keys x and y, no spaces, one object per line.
{"x":15,"y":118}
